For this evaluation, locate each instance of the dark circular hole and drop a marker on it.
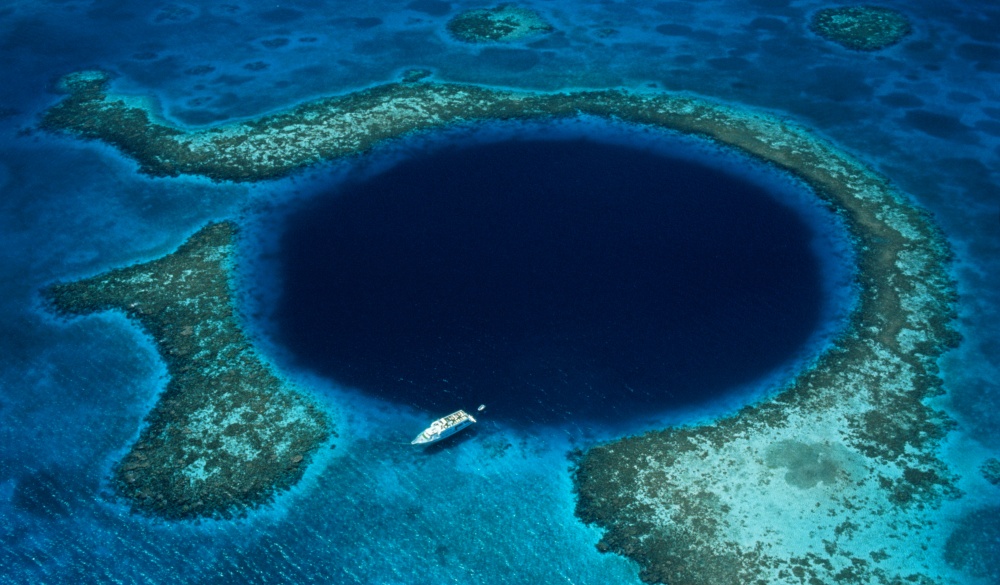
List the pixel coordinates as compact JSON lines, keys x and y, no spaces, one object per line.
{"x":552,"y":280}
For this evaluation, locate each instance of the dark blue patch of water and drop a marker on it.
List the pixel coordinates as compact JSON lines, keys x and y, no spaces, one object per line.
{"x":549,"y":279}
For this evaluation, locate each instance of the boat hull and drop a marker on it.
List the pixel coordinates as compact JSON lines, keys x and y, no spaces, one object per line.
{"x":444,"y":427}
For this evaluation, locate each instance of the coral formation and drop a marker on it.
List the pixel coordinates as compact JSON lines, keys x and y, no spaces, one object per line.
{"x":829,"y":480}
{"x":991,"y":470}
{"x":974,"y":545}
{"x":415,"y":75}
{"x":861,"y":28}
{"x":502,"y":24}
{"x":804,"y":486}
{"x":227,"y":433}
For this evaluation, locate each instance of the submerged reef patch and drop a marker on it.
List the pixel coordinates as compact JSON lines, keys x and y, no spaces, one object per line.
{"x":227,"y":432}
{"x":861,"y":28}
{"x":505,"y":23}
{"x":833,"y":479}
{"x":991,"y":470}
{"x":974,"y":545}
{"x":415,"y":75}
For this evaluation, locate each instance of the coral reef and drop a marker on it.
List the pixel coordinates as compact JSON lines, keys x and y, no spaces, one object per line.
{"x":271,"y":146}
{"x":502,"y":24}
{"x":861,"y":28}
{"x":803,"y":487}
{"x":974,"y":545}
{"x":227,"y":433}
{"x":991,"y":470}
{"x":832,"y":479}
{"x":415,"y":75}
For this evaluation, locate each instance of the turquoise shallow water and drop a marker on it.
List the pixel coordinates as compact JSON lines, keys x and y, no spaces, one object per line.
{"x":496,"y":507}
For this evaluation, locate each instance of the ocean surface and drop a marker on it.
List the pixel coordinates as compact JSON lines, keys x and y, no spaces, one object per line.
{"x":422,"y":222}
{"x":559,"y":280}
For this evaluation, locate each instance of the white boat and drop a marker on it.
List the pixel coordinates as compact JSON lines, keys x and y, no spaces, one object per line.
{"x":444,"y":427}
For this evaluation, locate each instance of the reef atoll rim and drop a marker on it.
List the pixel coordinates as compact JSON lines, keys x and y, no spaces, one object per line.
{"x":501,"y":24}
{"x":227,"y":432}
{"x":833,"y":479}
{"x":861,"y":28}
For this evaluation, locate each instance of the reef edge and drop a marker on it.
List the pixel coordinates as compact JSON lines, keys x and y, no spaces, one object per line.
{"x":227,"y":432}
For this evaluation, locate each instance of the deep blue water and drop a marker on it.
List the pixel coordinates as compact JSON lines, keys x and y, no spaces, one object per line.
{"x":925,"y":113}
{"x":551,"y":280}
